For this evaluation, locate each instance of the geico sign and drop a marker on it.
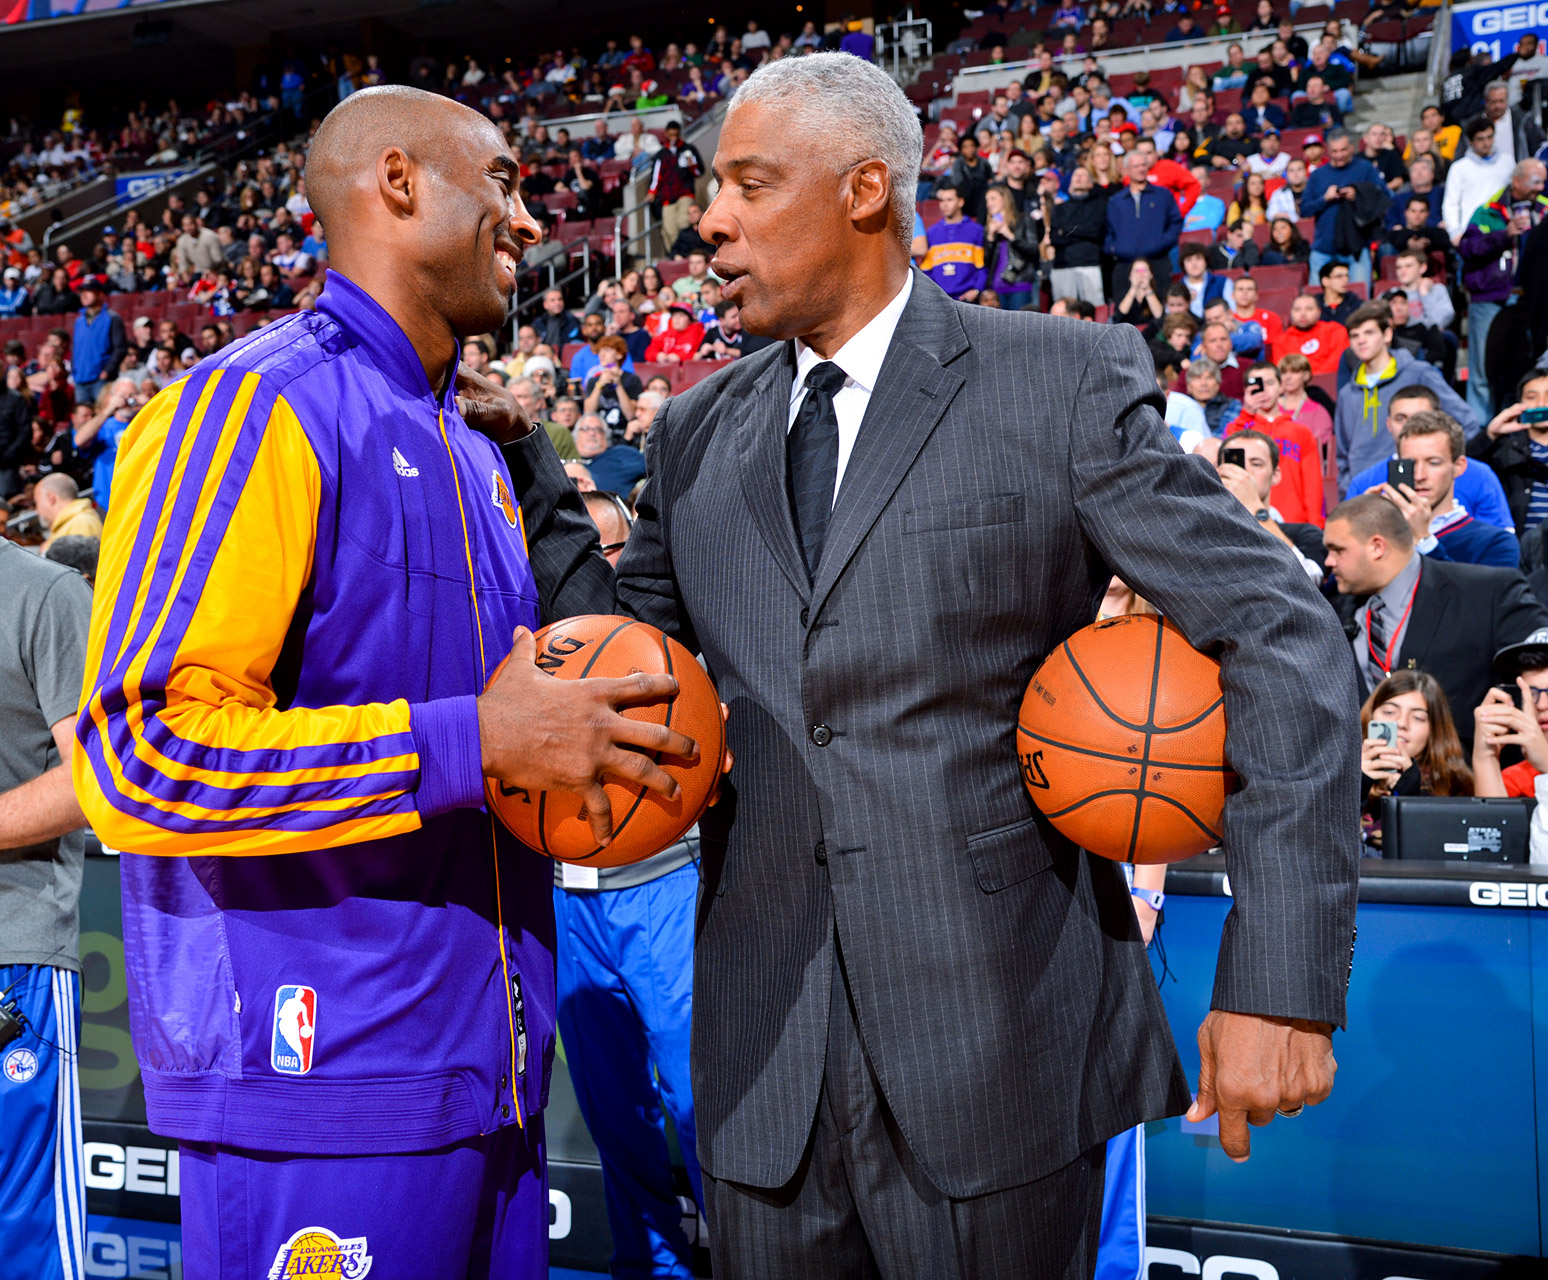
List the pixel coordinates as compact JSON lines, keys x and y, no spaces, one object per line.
{"x":1216,"y":1267}
{"x":1517,"y":18}
{"x":1487,"y":893}
{"x":150,"y":1170}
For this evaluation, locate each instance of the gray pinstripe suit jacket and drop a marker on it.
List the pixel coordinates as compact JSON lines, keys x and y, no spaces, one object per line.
{"x":1006,"y":461}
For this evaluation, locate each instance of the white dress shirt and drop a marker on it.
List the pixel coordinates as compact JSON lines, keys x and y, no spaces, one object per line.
{"x":861,"y":360}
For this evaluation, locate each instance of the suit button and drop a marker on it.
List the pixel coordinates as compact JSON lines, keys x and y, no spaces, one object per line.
{"x":822,"y":735}
{"x":820,"y":852}
{"x":804,"y":615}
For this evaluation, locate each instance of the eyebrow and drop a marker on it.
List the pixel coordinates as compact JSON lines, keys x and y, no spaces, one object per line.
{"x":743,"y":162}
{"x":506,"y":163}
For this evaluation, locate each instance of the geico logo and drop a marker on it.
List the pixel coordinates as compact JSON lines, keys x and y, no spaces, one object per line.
{"x":1216,"y":1267}
{"x":564,"y":1217}
{"x":1517,"y":18}
{"x":110,"y":1255}
{"x":149,"y":1170}
{"x":1486,"y":893}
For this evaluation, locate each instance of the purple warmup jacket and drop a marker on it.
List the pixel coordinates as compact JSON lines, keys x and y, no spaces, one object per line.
{"x":311,"y":568}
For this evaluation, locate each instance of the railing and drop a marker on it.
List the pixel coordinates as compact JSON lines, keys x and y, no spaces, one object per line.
{"x":620,"y":240}
{"x":556,"y":281}
{"x":906,"y":42}
{"x":1440,"y":52}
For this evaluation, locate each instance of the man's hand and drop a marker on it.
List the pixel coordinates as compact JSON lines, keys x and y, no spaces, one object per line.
{"x":1251,"y":1066}
{"x":1240,"y":486}
{"x":1507,"y":421}
{"x":545,"y":734}
{"x":489,"y":409}
{"x":1502,"y":723}
{"x":1415,"y":508}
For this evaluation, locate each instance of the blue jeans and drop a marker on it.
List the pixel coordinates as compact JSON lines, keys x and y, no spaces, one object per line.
{"x":1017,"y":299}
{"x":1480,"y":316}
{"x":1359,"y":268}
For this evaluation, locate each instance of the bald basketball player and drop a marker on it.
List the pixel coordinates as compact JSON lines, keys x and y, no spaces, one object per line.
{"x":314,"y":565}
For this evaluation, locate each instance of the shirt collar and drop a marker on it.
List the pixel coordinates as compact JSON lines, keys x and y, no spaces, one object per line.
{"x":1394,"y":596}
{"x":861,"y":357}
{"x":363,"y":317}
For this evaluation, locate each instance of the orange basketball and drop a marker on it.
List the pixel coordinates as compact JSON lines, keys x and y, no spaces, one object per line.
{"x":1122,"y":741}
{"x":554,"y":822}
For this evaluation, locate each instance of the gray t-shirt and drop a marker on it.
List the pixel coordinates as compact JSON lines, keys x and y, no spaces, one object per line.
{"x":43,"y":629}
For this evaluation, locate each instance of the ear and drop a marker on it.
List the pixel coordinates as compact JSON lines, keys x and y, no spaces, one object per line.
{"x":396,"y":178}
{"x":870,"y":195}
{"x":1462,"y":464}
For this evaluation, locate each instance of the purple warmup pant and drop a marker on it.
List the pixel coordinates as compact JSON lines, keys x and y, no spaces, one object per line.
{"x":478,"y":1208}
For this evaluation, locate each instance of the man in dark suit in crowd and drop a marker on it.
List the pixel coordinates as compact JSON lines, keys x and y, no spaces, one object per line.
{"x":919,"y":1012}
{"x":1413,"y":611}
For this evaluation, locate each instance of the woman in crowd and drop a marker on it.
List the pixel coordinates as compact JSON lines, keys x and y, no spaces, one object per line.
{"x":1102,"y":165}
{"x":1011,"y":250}
{"x":1181,"y":149}
{"x":1295,"y":374}
{"x":660,"y":318}
{"x":1425,"y":760}
{"x":1251,"y":202}
{"x":650,"y":285}
{"x":937,"y":160}
{"x":1141,"y":305}
{"x":1195,"y":83}
{"x":1285,"y":246}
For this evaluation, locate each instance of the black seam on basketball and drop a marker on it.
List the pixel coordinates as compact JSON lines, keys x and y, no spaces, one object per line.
{"x":1097,"y":697}
{"x":1105,"y":755}
{"x":655,"y":755}
{"x":1150,"y":725}
{"x":542,"y":829}
{"x":1140,"y":798}
{"x":601,"y":645}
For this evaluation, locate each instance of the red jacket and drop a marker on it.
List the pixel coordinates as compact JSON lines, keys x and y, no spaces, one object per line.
{"x":1182,"y":184}
{"x":1298,"y":495}
{"x":1322,"y":345}
{"x":682,"y":343}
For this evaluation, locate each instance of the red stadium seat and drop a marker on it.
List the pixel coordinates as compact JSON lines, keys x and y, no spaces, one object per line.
{"x":930,"y":211}
{"x":1284,"y":276}
{"x":570,"y":351}
{"x":694,"y":371}
{"x":646,"y":371}
{"x":671,"y":271}
{"x":559,"y":200}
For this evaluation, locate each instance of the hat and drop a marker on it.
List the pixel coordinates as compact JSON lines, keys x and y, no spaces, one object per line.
{"x":687,"y":311}
{"x":1268,"y":129}
{"x":1525,"y":655}
{"x":1128,"y":126}
{"x":110,"y":231}
{"x":538,"y":364}
{"x":1312,"y":140}
{"x":188,"y":351}
{"x":91,"y":282}
{"x":13,"y":273}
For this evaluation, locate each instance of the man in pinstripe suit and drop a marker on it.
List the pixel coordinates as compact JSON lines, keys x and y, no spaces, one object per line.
{"x":918,"y":1011}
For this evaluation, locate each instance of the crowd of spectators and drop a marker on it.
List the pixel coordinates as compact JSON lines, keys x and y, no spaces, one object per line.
{"x":1343,"y":324}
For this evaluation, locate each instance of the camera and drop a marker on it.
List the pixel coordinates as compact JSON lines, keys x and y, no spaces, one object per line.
{"x":1234,"y":458}
{"x":1400,"y":471}
{"x":1535,"y":416}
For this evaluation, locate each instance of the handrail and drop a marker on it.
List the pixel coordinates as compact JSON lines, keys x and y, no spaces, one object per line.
{"x":904,"y":41}
{"x":92,"y":213}
{"x":1440,"y":52}
{"x":556,"y":283}
{"x":620,"y":240}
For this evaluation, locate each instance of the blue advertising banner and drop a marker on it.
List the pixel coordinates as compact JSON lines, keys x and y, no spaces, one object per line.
{"x":1492,"y":27}
{"x":136,"y":186}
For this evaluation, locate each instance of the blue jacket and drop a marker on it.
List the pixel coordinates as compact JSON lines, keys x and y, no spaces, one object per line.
{"x":99,"y":346}
{"x":1151,"y":233}
{"x":1315,"y":202}
{"x":1470,"y":542}
{"x":1478,"y":489}
{"x":339,"y":566}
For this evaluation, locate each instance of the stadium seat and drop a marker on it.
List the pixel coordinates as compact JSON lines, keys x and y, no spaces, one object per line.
{"x":671,"y":272}
{"x":646,"y":370}
{"x":570,"y":351}
{"x":695,"y":371}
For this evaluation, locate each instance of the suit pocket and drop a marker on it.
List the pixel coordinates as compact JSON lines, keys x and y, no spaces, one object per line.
{"x":1004,"y":508}
{"x":1008,"y":855}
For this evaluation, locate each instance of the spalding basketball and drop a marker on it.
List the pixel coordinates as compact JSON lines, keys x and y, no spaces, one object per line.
{"x":1122,"y":741}
{"x":644,"y":823}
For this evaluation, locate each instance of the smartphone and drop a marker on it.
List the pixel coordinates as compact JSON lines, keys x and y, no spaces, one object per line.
{"x":1400,"y":471}
{"x":1513,"y":692}
{"x":1234,"y":458}
{"x":1382,"y":731}
{"x":1535,"y":416}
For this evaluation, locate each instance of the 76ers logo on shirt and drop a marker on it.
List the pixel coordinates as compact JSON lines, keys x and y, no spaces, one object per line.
{"x":295,"y":1030}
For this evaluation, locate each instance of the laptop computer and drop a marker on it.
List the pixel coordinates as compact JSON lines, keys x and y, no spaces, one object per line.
{"x":1456,"y":828}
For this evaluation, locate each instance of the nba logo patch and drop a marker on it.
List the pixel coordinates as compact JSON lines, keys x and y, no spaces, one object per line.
{"x":501,"y":497}
{"x":295,"y":1030}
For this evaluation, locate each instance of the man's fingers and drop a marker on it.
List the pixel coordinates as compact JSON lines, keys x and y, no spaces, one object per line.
{"x":655,"y":737}
{"x":523,"y":645}
{"x":1258,"y":1117}
{"x":641,"y":770}
{"x":599,"y":812}
{"x":1204,"y":1102}
{"x":627,"y":691}
{"x":1234,"y":1138}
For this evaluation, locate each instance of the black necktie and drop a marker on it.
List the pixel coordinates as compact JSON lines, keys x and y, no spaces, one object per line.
{"x":1376,"y":630}
{"x":811,"y":461}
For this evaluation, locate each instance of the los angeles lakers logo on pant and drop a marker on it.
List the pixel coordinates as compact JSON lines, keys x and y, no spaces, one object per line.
{"x":316,"y":1251}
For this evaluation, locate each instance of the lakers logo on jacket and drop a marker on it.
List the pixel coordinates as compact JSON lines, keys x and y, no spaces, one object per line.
{"x":501,"y":497}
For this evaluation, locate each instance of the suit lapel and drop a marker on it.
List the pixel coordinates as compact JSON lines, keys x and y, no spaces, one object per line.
{"x":911,"y":396}
{"x":1430,"y":600}
{"x":762,"y":442}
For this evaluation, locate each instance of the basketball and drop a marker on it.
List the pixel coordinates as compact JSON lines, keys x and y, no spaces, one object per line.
{"x":1121,"y":739}
{"x":644,"y":823}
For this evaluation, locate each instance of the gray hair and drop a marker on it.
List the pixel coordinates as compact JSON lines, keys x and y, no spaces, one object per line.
{"x":851,"y":111}
{"x":1493,"y":85}
{"x":1203,"y":367}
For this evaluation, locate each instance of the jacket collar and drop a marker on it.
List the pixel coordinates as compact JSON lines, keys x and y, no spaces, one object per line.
{"x":363,"y":318}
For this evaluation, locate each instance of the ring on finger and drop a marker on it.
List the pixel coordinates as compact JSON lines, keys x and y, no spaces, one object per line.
{"x":1291,"y":1115}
